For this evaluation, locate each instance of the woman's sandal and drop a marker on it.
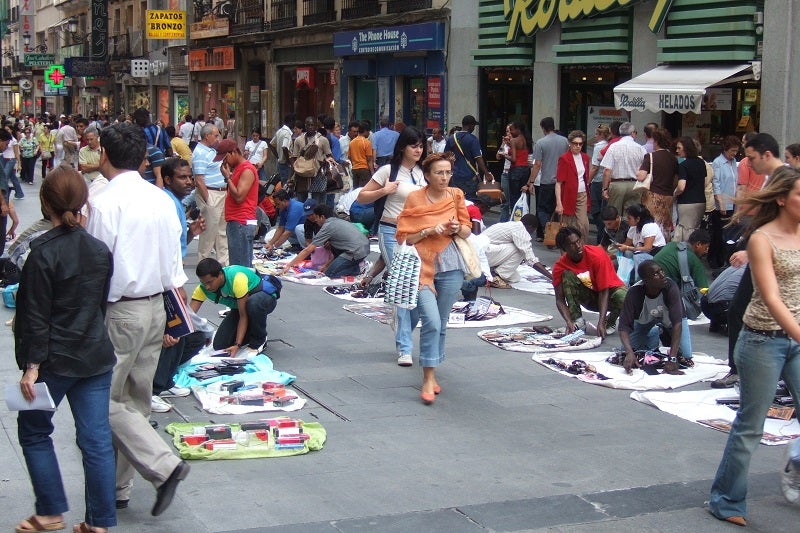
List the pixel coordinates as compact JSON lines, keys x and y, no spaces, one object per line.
{"x":38,"y":526}
{"x":83,"y":527}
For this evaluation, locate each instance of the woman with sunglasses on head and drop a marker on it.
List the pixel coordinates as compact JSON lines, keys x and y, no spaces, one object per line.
{"x":409,"y":150}
{"x":431,"y":219}
{"x":768,"y":347}
{"x":572,"y":185}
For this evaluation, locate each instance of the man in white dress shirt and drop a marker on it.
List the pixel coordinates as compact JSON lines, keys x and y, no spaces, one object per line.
{"x":145,"y":244}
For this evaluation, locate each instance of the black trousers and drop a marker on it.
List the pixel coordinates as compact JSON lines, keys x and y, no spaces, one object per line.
{"x":744,"y":293}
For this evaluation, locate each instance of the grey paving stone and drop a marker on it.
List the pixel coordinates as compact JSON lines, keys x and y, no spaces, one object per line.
{"x":538,"y":512}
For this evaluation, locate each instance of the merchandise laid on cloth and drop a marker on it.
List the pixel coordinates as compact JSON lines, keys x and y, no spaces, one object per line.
{"x":533,"y":281}
{"x":303,"y":273}
{"x":254,"y":397}
{"x":356,"y":293}
{"x":716,"y":409}
{"x":271,"y":437}
{"x":538,"y":339}
{"x":706,"y":368}
{"x":458,"y":316}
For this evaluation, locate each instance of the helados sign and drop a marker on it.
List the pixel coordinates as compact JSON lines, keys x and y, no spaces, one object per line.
{"x":530,"y":16}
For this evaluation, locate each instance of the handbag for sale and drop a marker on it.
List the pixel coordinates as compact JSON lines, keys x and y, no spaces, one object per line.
{"x":319,"y":183}
{"x":470,"y":257}
{"x":551,"y":229}
{"x":645,"y":184}
{"x":402,"y":284}
{"x":335,"y":178}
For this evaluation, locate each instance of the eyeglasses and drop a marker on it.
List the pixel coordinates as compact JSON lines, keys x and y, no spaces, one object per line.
{"x":442,"y":173}
{"x":576,"y":143}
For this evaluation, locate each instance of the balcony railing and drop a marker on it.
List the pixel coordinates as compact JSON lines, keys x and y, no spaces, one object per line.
{"x":249,"y":17}
{"x":120,"y":47}
{"x":356,"y":9}
{"x":402,"y":6}
{"x":284,"y":14}
{"x":318,"y":11}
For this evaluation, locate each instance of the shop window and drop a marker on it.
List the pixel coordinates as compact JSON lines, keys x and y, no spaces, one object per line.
{"x":415,"y":103}
{"x":583,"y":89}
{"x":509,"y":97}
{"x":365,"y":98}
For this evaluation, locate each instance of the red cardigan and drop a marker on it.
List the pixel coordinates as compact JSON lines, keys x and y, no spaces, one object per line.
{"x":567,"y":175}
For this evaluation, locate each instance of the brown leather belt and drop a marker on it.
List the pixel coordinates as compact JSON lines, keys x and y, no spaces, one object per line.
{"x":217,"y":188}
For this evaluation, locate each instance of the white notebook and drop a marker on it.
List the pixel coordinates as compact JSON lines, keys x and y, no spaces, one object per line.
{"x":17,"y":402}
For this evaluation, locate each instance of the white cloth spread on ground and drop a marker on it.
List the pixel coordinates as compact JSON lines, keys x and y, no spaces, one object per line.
{"x":533,"y":281}
{"x":527,"y":340}
{"x":701,"y":407}
{"x":210,"y":396}
{"x":383,"y":313}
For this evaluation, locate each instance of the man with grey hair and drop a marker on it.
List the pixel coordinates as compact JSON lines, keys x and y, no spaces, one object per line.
{"x":210,"y":194}
{"x":620,"y":164}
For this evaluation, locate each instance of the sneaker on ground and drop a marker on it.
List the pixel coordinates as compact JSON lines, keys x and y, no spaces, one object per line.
{"x":580,"y":323}
{"x":158,"y":405}
{"x":610,"y":330}
{"x":404,"y":359}
{"x":246,"y":352}
{"x":176,"y":392}
{"x":224,"y":312}
{"x":725,"y":382}
{"x":790,"y":477}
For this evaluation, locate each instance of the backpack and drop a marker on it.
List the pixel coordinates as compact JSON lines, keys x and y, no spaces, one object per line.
{"x":690,"y":295}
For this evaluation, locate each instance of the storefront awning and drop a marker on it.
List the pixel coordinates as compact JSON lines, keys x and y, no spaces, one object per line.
{"x":673,"y":88}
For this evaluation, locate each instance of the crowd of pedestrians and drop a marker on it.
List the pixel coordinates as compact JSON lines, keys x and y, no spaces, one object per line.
{"x":643,"y":201}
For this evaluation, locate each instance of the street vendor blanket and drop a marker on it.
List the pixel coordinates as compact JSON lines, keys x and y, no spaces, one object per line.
{"x":706,"y":368}
{"x":383,"y":313}
{"x":533,"y":281}
{"x":527,"y":339}
{"x":701,"y":407}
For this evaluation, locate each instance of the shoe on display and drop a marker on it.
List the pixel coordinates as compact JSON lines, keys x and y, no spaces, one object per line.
{"x":176,"y":392}
{"x":158,"y":405}
{"x":725,"y":382}
{"x":405,"y":360}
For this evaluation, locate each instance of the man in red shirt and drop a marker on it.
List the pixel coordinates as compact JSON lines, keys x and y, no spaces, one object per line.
{"x":585,"y":276}
{"x":240,"y":202}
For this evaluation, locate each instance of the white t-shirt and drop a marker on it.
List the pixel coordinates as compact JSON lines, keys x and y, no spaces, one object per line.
{"x":437,"y":146}
{"x":256,"y":151}
{"x":186,"y":132}
{"x":8,"y":153}
{"x":650,"y":229}
{"x":581,"y":171}
{"x":408,"y":182}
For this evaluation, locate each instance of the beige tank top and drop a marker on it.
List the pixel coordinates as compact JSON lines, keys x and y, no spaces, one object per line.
{"x":787,"y":272}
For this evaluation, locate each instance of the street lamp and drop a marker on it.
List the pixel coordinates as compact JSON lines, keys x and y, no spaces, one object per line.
{"x":26,"y":40}
{"x":72,"y":28}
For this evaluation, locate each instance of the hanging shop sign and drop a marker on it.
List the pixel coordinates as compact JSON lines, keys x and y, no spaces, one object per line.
{"x":530,"y":16}
{"x":39,"y":60}
{"x":85,"y":67}
{"x":210,"y":27}
{"x":212,"y":58}
{"x":99,"y":36}
{"x":163,"y":24}
{"x":390,"y":39}
{"x":305,"y":77}
{"x":54,"y":76}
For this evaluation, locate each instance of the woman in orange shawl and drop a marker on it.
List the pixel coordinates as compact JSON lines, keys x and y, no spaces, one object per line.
{"x":430,"y":220}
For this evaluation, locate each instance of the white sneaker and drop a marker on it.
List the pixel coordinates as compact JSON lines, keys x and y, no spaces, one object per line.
{"x":580,"y":323}
{"x":404,"y":359}
{"x":224,"y":312}
{"x":158,"y":405}
{"x":176,"y":392}
{"x":246,"y":352}
{"x":610,"y":330}
{"x":790,"y":478}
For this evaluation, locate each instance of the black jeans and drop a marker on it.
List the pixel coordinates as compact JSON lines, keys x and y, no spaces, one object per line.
{"x":173,"y":357}
{"x":258,"y":305}
{"x":545,"y":204}
{"x":744,"y":293}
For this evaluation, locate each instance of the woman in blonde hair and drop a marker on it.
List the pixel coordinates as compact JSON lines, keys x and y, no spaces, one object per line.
{"x":768,"y":347}
{"x":61,"y":340}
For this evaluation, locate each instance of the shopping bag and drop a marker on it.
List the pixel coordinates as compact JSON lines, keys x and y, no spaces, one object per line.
{"x":624,"y":268}
{"x":402,"y":285}
{"x":520,"y":208}
{"x":551,"y":230}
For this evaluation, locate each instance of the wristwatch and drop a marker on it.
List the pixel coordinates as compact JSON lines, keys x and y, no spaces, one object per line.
{"x":33,"y":366}
{"x":423,"y":232}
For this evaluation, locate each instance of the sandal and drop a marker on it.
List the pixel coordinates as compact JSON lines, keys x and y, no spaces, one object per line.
{"x":83,"y":527}
{"x":38,"y":526}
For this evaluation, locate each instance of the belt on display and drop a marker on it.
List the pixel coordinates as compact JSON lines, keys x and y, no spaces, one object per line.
{"x":773,"y":333}
{"x":217,"y":188}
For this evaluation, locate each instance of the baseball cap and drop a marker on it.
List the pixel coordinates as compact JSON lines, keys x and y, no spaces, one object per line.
{"x":487,"y":200}
{"x":62,"y":116}
{"x":225,"y":147}
{"x":309,"y":205}
{"x":468,"y":120}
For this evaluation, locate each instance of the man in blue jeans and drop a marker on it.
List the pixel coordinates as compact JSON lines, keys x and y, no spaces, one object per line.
{"x":346,"y":242}
{"x":651,"y":306}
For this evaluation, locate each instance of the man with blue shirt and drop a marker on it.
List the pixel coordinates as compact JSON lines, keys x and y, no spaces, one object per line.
{"x":469,"y":159}
{"x":383,"y":142}
{"x":291,"y":217}
{"x":210,"y":194}
{"x":726,"y":176}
